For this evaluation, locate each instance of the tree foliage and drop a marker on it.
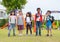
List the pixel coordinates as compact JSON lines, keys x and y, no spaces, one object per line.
{"x":13,"y":4}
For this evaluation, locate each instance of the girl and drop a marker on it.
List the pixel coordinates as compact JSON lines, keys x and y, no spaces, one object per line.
{"x":20,"y":22}
{"x":12,"y":23}
{"x":28,"y":23}
{"x":48,"y":23}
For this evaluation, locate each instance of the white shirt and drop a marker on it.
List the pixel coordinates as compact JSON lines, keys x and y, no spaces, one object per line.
{"x":38,"y":18}
{"x":28,"y":19}
{"x":12,"y":19}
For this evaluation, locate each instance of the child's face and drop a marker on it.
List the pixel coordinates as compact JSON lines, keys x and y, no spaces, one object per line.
{"x":20,"y":13}
{"x":38,"y":10}
{"x":28,"y":15}
{"x":48,"y":13}
{"x":12,"y":13}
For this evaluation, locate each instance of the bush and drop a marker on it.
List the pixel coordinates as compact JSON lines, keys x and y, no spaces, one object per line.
{"x":2,"y":22}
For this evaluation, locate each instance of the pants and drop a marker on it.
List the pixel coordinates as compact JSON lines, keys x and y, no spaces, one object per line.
{"x":28,"y":27}
{"x":38,"y":28}
{"x":10,"y":28}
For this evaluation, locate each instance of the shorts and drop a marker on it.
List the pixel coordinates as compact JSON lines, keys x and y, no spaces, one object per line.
{"x":48,"y":27}
{"x":20,"y":27}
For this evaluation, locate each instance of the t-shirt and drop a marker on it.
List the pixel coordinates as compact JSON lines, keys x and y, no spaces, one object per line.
{"x":28,"y":19}
{"x":12,"y":19}
{"x":20,"y":20}
{"x":38,"y":17}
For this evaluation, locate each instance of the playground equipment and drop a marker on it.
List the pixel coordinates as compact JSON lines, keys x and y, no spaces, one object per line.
{"x":3,"y":16}
{"x":54,"y":25}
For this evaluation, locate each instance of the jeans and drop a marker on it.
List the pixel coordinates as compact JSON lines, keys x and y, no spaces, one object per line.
{"x":28,"y":27}
{"x":38,"y":28}
{"x":10,"y":28}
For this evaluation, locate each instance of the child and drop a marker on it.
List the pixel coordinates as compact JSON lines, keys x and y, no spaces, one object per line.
{"x":38,"y":21}
{"x":20,"y":22}
{"x":48,"y":23}
{"x":28,"y":23}
{"x":12,"y":23}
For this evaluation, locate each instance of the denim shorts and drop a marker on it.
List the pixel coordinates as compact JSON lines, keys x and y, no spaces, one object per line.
{"x":48,"y":27}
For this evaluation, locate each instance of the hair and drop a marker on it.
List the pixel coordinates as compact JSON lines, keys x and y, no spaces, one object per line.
{"x":11,"y":12}
{"x":38,"y":9}
{"x":49,"y":11}
{"x":29,"y":14}
{"x":20,"y":11}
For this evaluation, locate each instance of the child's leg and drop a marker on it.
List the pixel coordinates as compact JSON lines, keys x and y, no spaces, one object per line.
{"x":13,"y":31}
{"x":9,"y":32}
{"x":50,"y":32}
{"x":40,"y":31}
{"x":47,"y":32}
{"x":37,"y":28}
{"x":27,"y":29}
{"x":30,"y":29}
{"x":40,"y":28}
{"x":20,"y":31}
{"x":19,"y":28}
{"x":9,"y":28}
{"x":13,"y":27}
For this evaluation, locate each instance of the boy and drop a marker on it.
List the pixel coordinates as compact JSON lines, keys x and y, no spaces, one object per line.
{"x":48,"y":22}
{"x":38,"y":21}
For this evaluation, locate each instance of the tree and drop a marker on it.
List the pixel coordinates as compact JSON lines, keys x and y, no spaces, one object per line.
{"x":11,"y":5}
{"x":14,"y":4}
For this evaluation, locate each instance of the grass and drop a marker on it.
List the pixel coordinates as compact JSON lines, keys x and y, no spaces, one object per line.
{"x":33,"y":38}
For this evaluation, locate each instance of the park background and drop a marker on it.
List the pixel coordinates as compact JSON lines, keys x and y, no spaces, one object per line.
{"x":31,"y":6}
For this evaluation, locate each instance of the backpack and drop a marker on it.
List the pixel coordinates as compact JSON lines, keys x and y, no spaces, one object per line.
{"x":52,"y":19}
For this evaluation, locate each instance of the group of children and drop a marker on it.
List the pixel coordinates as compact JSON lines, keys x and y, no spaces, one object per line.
{"x":19,"y":22}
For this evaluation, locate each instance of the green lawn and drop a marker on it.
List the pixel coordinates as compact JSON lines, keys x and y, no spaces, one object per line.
{"x":33,"y":38}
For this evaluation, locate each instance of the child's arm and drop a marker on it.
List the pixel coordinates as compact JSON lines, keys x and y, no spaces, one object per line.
{"x":23,"y":18}
{"x":16,"y":20}
{"x":9,"y":18}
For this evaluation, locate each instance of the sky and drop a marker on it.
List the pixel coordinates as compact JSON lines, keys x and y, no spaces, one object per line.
{"x":45,"y":5}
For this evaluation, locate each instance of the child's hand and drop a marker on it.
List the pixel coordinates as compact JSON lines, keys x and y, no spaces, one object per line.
{"x":50,"y":18}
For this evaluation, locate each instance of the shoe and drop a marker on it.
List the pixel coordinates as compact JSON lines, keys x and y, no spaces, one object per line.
{"x":40,"y":35}
{"x":47,"y":35}
{"x":37,"y":35}
{"x":26,"y":34}
{"x":30,"y":34}
{"x":51,"y":35}
{"x":8,"y":35}
{"x":20,"y":34}
{"x":14,"y":35}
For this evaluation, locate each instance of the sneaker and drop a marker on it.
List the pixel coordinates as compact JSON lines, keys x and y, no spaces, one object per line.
{"x":39,"y":35}
{"x":26,"y":34}
{"x":8,"y":35}
{"x":47,"y":35}
{"x":30,"y":34}
{"x":14,"y":35}
{"x":20,"y":34}
{"x":51,"y":35}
